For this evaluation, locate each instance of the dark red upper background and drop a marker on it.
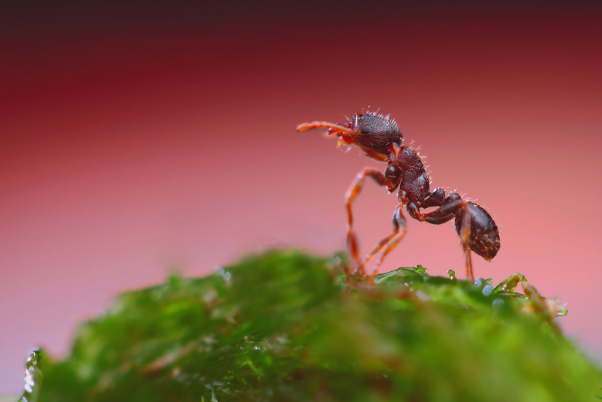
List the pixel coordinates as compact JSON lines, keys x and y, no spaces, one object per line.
{"x":144,"y":138}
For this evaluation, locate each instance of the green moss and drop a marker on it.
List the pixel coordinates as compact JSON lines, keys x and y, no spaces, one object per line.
{"x":285,"y":326}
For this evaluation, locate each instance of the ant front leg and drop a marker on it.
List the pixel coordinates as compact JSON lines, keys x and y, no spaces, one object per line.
{"x":352,"y":193}
{"x":389,"y":242}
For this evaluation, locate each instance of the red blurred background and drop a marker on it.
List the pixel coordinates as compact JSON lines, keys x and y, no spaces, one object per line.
{"x":141,"y":139}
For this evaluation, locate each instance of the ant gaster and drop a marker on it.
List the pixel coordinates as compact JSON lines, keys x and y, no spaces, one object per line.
{"x":380,"y":138}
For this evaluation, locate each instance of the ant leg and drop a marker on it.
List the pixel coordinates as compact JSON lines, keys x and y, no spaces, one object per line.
{"x":391,"y":241}
{"x":464,"y":233}
{"x":450,"y":208}
{"x":400,"y":222}
{"x":352,"y":193}
{"x":446,"y":211}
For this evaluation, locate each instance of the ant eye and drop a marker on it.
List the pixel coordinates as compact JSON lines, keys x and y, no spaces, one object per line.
{"x":367,"y":129}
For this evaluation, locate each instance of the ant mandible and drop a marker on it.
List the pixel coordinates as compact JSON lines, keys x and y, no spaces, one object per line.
{"x":380,"y":138}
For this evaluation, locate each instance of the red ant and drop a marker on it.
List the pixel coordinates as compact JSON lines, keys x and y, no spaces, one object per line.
{"x":380,"y":138}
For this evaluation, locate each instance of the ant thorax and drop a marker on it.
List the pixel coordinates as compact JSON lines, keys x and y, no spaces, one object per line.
{"x":414,"y":184}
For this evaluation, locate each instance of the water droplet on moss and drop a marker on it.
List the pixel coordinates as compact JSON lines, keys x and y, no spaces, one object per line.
{"x":225,"y":274}
{"x":422,"y":295}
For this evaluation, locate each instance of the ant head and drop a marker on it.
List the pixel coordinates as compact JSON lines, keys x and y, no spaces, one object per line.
{"x":374,"y":132}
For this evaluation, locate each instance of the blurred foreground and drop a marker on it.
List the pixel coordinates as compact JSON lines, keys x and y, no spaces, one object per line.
{"x":286,"y":326}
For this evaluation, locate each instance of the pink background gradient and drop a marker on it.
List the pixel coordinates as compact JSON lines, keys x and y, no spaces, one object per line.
{"x":128,"y":151}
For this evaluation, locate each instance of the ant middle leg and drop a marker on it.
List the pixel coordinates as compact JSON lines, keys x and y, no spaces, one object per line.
{"x":389,"y":242}
{"x":354,"y":189}
{"x":452,"y":207}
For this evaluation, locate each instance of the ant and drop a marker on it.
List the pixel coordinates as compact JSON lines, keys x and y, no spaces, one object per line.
{"x":380,"y":138}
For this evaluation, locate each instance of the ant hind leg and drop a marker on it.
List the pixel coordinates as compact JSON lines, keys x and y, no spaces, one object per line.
{"x":464,"y":233}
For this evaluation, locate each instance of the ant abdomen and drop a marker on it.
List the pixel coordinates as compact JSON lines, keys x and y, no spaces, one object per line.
{"x":484,"y":236}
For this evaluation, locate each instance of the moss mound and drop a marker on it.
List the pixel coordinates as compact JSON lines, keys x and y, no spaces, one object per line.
{"x":286,"y":326}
